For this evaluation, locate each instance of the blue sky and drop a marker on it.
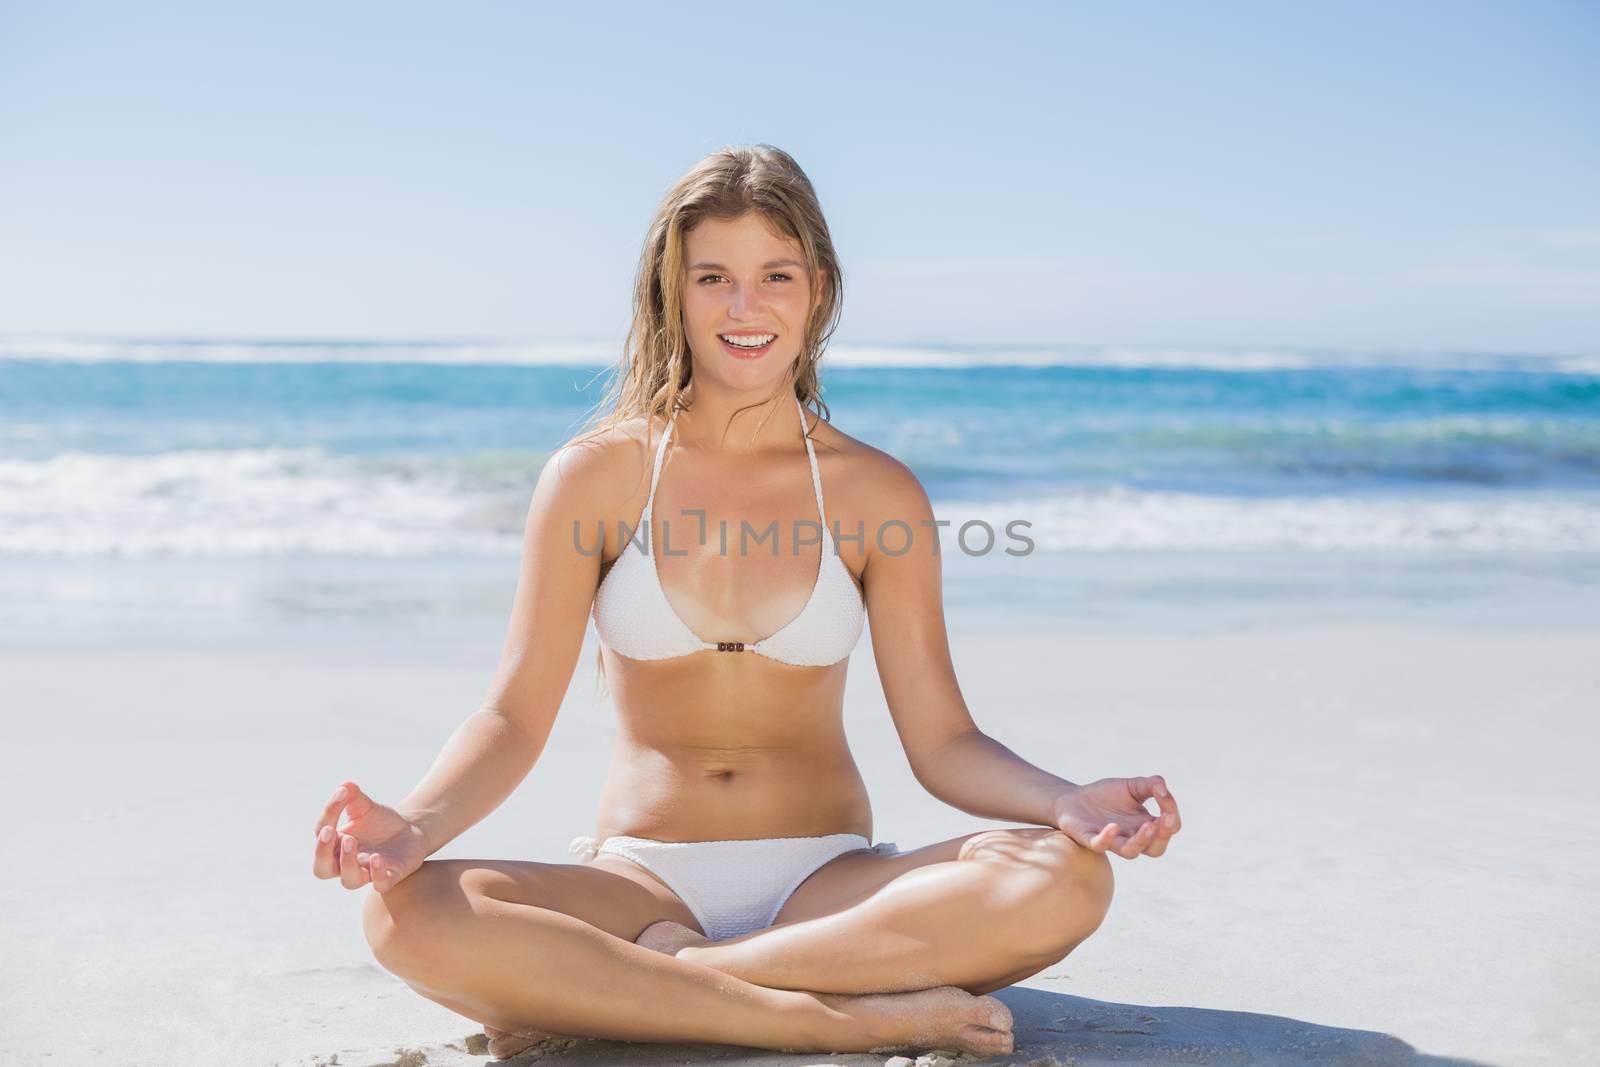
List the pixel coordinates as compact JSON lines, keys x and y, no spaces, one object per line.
{"x":1415,"y":176}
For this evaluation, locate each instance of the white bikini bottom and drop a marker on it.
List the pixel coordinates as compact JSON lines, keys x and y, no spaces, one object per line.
{"x":732,"y":887}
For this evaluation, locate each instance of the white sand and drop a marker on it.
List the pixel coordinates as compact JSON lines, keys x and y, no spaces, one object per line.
{"x":1389,"y":845}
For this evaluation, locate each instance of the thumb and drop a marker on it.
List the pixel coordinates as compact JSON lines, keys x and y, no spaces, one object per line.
{"x":1087,"y":834}
{"x":358,"y":804}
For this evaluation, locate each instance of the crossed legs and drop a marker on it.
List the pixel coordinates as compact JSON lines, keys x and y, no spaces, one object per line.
{"x":871,"y":952}
{"x":979,"y":912}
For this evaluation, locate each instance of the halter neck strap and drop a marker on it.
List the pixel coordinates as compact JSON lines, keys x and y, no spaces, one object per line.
{"x":811,"y":455}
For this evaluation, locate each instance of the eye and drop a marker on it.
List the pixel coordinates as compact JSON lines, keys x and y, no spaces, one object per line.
{"x":777,"y":274}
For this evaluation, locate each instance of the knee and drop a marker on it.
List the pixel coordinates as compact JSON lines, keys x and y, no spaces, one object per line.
{"x":407,"y":927}
{"x":1054,"y":891}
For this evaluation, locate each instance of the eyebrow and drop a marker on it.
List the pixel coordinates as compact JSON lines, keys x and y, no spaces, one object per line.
{"x":764,"y":266}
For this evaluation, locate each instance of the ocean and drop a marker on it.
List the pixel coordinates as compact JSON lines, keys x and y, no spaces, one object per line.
{"x":191,"y":489}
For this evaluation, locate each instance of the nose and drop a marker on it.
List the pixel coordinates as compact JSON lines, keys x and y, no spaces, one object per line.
{"x":746,"y":302}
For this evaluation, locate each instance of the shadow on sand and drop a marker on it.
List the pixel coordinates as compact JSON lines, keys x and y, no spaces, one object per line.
{"x":1052,"y":1030}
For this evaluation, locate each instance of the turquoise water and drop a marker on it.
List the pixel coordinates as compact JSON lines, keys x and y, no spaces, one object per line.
{"x":243,"y":459}
{"x":277,"y":453}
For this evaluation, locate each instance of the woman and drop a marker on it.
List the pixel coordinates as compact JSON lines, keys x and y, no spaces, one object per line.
{"x":732,"y":893}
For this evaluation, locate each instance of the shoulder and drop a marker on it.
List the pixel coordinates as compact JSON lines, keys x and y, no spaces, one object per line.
{"x":874,"y":485}
{"x":600,"y":470}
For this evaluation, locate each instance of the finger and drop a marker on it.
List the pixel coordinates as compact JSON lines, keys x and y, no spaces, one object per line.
{"x":381,"y":870}
{"x":1129,"y":846}
{"x":325,"y":860}
{"x":1166,"y":826}
{"x":1171,"y":823}
{"x":1163,"y":798}
{"x":1163,"y":835}
{"x":351,"y":875}
{"x":1147,"y":835}
{"x":375,"y":868}
{"x":362,"y":875}
{"x":1124,"y":845}
{"x":330,"y":813}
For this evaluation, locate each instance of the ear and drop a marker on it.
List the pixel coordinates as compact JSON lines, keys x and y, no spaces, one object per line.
{"x":824,"y":284}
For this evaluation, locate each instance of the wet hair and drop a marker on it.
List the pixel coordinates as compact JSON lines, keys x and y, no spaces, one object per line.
{"x":655,"y":368}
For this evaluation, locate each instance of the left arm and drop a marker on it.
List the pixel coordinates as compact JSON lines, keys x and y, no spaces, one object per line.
{"x":951,"y":758}
{"x":977,"y":774}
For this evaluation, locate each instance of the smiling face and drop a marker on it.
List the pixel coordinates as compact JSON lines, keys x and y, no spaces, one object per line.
{"x":744,"y":301}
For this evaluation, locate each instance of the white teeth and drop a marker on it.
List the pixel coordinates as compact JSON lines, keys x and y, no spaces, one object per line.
{"x":748,"y":340}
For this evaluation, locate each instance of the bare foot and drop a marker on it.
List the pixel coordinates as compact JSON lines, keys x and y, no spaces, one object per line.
{"x":504,"y":1044}
{"x":668,"y":936}
{"x":944,"y":1017}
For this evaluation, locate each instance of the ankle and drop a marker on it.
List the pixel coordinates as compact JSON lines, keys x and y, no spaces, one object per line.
{"x":845,"y":1028}
{"x":701,"y":954}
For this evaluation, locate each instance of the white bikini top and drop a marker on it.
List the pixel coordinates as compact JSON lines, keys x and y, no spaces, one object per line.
{"x":633,"y":617}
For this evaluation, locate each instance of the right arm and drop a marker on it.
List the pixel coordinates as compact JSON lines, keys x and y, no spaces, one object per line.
{"x":493,"y":750}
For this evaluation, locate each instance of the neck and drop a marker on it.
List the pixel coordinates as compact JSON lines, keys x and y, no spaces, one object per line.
{"x":730,"y":421}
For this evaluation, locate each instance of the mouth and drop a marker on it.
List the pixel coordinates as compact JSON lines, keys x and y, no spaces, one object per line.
{"x":747,"y":345}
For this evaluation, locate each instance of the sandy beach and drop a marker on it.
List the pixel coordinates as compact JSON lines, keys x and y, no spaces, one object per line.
{"x":1244,"y":355}
{"x":1385,"y":857}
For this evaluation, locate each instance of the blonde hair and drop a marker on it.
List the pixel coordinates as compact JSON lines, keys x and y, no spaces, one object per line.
{"x":655,"y":367}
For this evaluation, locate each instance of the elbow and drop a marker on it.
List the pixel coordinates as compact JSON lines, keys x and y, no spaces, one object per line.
{"x":931,"y":778}
{"x":936,"y":766}
{"x":528,"y":731}
{"x":924,"y":780}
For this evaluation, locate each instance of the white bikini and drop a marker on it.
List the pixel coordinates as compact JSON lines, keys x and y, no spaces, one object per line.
{"x":734,"y":886}
{"x":634,"y":618}
{"x":731,"y":886}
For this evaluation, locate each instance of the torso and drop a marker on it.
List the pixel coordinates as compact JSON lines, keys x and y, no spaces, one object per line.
{"x":734,"y":745}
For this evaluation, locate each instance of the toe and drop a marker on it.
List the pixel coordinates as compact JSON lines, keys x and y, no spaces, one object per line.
{"x":507,"y":1045}
{"x":996,"y":1015}
{"x":984,"y":1042}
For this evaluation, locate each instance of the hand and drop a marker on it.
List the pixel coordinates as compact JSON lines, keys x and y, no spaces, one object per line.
{"x":1110,"y":816}
{"x":378,"y":845}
